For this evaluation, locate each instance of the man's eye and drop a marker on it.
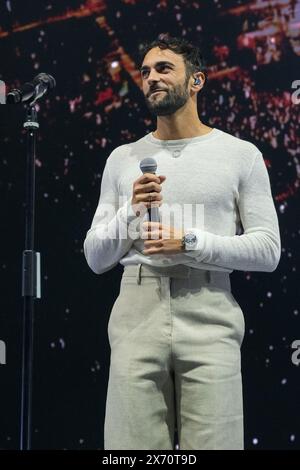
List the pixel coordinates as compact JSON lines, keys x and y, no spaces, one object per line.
{"x":160,"y":69}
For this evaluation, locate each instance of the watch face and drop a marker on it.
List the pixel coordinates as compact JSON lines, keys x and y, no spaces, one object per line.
{"x":190,"y":239}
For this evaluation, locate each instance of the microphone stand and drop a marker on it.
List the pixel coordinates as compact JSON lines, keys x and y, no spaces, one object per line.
{"x":31,"y":279}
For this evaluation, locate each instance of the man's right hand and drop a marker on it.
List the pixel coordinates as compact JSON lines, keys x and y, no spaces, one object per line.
{"x":147,"y":190}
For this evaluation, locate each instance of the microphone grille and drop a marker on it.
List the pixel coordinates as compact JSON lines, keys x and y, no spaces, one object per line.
{"x":148,"y":165}
{"x":47,"y":79}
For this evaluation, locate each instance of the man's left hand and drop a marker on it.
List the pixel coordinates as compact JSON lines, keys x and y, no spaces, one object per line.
{"x":161,"y":239}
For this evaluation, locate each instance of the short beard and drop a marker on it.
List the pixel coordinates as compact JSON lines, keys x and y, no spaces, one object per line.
{"x":171,"y":102}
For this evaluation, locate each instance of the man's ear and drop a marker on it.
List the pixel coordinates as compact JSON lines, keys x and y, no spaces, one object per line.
{"x":199,"y":79}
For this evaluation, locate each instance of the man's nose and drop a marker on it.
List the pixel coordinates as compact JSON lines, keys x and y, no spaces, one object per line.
{"x":153,"y":76}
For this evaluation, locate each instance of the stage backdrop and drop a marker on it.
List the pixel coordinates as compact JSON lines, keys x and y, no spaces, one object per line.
{"x":91,"y":48}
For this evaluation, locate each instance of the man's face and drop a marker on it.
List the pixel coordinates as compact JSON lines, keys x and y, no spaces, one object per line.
{"x":163,"y":69}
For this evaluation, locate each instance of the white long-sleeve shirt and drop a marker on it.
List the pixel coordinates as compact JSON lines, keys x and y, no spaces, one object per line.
{"x":218,"y":181}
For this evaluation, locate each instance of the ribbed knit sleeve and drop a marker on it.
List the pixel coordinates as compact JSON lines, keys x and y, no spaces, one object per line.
{"x":258,"y":248}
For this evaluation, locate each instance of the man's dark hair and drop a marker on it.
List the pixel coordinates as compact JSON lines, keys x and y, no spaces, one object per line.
{"x":192,"y":56}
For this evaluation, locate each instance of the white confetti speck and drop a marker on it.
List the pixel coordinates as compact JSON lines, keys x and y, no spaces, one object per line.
{"x":282,"y":208}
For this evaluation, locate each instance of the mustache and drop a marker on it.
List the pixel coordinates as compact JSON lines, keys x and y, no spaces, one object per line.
{"x":153,"y":90}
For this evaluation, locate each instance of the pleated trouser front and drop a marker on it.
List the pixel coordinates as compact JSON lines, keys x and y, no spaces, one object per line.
{"x":175,"y":335}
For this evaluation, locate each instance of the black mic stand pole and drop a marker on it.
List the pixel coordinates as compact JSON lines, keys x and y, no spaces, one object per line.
{"x":31,"y":279}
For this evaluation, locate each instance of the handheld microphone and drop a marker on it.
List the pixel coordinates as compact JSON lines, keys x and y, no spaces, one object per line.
{"x":33,"y":90}
{"x":149,"y":165}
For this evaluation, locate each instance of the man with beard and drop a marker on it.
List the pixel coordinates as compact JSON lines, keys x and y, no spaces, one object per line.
{"x":175,"y":329}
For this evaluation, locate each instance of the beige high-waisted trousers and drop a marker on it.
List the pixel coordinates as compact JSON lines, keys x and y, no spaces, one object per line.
{"x":175,"y":335}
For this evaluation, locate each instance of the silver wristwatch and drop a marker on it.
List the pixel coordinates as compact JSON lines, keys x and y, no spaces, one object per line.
{"x":189,"y":241}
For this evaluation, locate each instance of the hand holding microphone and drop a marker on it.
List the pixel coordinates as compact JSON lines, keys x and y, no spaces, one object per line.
{"x":159,"y":239}
{"x":147,"y":189}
